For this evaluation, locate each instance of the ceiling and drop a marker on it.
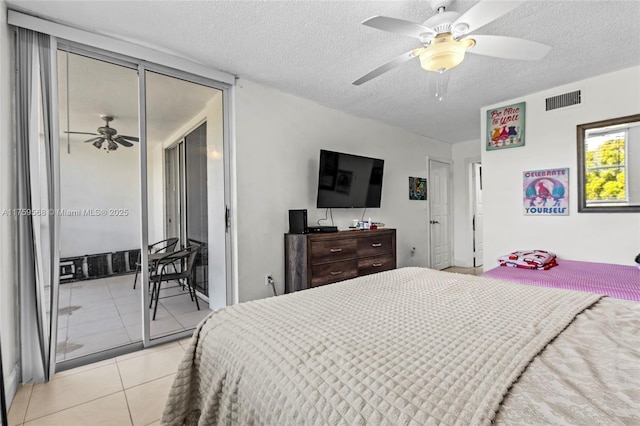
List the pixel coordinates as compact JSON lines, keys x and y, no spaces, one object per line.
{"x":98,"y":88}
{"x":315,"y":49}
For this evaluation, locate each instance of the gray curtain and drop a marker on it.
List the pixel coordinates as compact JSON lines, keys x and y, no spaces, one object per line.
{"x":36,"y":139}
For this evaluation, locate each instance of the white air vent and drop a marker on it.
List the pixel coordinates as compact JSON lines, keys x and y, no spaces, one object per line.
{"x":564,"y":100}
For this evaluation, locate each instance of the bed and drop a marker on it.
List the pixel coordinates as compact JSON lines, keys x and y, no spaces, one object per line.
{"x":619,"y":281}
{"x":414,"y":346}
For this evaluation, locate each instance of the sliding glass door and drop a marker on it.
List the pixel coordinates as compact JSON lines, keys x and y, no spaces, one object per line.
{"x":185,"y":136}
{"x":100,"y":210}
{"x":143,"y":188}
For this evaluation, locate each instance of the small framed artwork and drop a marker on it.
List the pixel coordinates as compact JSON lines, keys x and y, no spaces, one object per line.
{"x":417,"y":188}
{"x":546,"y":192}
{"x":505,"y":127}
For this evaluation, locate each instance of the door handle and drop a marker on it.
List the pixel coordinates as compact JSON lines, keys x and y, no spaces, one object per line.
{"x":433,"y":221}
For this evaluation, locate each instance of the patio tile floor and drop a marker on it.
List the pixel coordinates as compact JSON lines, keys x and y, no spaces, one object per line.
{"x":104,"y":313}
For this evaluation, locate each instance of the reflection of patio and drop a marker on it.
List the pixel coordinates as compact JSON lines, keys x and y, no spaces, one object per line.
{"x":104,"y":313}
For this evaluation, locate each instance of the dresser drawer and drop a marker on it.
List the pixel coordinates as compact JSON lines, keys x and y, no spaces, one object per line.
{"x":375,"y":245}
{"x":371,"y":265}
{"x":335,"y":271}
{"x":332,"y":250}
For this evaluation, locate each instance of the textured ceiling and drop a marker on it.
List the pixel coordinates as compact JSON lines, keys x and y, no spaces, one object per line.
{"x":315,"y":49}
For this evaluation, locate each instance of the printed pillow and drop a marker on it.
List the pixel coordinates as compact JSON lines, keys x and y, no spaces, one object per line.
{"x":529,"y":259}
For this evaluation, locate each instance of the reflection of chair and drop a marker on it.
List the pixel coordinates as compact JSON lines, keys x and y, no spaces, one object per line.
{"x":182,"y":262}
{"x":200,"y":276}
{"x":156,"y":251}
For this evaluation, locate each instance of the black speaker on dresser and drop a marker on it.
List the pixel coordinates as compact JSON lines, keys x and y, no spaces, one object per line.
{"x":298,"y":221}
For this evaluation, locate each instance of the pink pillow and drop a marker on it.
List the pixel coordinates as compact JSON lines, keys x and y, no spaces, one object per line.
{"x":530,"y":259}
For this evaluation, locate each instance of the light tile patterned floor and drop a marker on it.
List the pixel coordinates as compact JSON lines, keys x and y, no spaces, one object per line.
{"x":104,"y":313}
{"x":127,"y":390}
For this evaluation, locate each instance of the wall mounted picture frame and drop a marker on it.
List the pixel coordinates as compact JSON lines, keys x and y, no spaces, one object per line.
{"x":417,"y":188}
{"x":506,"y":127}
{"x":546,"y":192}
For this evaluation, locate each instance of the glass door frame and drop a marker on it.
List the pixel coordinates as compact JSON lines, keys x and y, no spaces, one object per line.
{"x":142,"y":67}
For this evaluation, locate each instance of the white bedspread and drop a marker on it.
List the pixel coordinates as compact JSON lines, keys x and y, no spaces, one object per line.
{"x":409,"y":346}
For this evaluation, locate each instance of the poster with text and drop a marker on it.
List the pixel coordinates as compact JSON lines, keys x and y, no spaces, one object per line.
{"x":505,"y":127}
{"x":546,"y":192}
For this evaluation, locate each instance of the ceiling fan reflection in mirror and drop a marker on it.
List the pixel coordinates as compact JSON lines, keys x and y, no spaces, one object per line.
{"x":445,"y":38}
{"x":107,"y":137}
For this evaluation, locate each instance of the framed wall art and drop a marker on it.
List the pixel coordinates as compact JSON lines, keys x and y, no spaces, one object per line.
{"x":505,"y":127}
{"x":417,"y":188}
{"x":546,"y":192}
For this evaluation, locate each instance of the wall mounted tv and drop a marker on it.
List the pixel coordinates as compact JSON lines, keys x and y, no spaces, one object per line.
{"x":347,"y":180}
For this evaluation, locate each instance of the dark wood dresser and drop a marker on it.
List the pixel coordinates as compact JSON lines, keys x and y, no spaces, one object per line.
{"x":312,"y":260}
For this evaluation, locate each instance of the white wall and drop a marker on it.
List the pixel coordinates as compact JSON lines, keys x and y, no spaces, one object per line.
{"x":92,"y":179}
{"x":8,"y":278}
{"x":550,"y":142}
{"x":278,"y":142}
{"x":463,"y":153}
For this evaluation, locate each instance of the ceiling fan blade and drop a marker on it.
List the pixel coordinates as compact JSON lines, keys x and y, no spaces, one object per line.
{"x":80,"y":133}
{"x":399,"y":26}
{"x":92,"y":140}
{"x":484,"y":12}
{"x":405,"y":57}
{"x":122,"y":141}
{"x":131,"y":138}
{"x":508,"y":47}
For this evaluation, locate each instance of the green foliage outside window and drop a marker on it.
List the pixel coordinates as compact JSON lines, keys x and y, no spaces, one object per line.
{"x":605,"y":172}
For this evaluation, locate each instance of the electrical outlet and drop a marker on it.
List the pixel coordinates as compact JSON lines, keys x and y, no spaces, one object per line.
{"x":268,"y":279}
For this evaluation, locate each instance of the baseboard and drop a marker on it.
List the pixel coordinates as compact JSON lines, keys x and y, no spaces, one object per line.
{"x":11,"y":385}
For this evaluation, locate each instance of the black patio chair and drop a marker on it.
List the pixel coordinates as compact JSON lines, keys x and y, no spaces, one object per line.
{"x":156,"y":251}
{"x":181,"y":263}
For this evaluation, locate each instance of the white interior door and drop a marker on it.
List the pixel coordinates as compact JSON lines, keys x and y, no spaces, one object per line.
{"x":477,"y":215}
{"x":440,"y":241}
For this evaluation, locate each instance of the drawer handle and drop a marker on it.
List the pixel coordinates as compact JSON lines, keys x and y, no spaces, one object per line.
{"x":376,"y":265}
{"x":335,"y":250}
{"x":336,"y":272}
{"x":376,"y":245}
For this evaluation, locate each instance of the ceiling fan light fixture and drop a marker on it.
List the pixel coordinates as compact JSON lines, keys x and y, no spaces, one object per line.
{"x":444,"y":52}
{"x":438,"y":84}
{"x":98,"y":144}
{"x":426,"y":38}
{"x":460,"y":29}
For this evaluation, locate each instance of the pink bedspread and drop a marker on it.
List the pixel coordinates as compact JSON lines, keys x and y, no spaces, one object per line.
{"x":619,"y":281}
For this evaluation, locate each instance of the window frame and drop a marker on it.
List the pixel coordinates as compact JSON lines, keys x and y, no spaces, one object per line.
{"x":617,"y":206}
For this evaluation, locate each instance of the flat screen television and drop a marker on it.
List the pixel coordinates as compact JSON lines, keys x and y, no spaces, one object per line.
{"x":347,"y":180}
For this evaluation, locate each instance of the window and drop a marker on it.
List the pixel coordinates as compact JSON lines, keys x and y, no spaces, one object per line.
{"x":605,"y":166}
{"x":609,"y":165}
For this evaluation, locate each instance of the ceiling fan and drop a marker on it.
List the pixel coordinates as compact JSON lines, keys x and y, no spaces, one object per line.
{"x":445,"y":38}
{"x":109,"y":135}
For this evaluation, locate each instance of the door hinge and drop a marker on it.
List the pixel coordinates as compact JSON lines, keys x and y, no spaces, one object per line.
{"x":227,"y":218}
